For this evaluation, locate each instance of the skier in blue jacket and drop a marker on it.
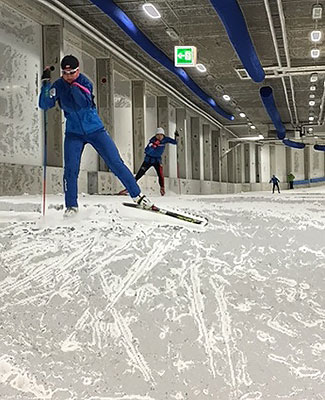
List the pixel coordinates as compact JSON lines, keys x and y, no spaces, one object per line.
{"x":74,"y":94}
{"x":153,"y":154}
{"x":275,"y":182}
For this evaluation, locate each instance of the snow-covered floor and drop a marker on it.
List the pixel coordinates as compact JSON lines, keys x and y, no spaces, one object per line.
{"x":120,"y":304}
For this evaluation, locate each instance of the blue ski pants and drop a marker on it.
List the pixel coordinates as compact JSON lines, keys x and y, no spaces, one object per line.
{"x":104,"y":145}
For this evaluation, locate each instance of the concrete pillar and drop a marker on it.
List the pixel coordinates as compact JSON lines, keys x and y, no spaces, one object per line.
{"x":258,"y":163}
{"x":298,"y":164}
{"x":207,"y":152}
{"x":215,"y":134}
{"x":163,"y":115}
{"x":247,"y":162}
{"x":272,"y":161}
{"x":265,"y":173}
{"x":138,"y":93}
{"x":316,"y":163}
{"x":104,"y":100}
{"x":195,"y":146}
{"x":52,"y":46}
{"x":224,"y":146}
{"x":240,"y":168}
{"x":123,"y":126}
{"x":231,"y":162}
{"x":252,"y":164}
{"x":289,"y":163}
{"x":181,"y":148}
{"x":151,"y":116}
{"x":172,"y":154}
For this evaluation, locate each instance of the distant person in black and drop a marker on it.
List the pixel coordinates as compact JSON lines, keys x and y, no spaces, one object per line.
{"x":275,"y":182}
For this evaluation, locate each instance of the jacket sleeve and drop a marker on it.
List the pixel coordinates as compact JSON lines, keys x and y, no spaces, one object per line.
{"x":82,"y":93}
{"x":170,"y":140}
{"x":48,"y":96}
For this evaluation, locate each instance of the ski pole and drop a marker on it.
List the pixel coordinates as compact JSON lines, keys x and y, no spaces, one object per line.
{"x":52,"y":68}
{"x":44,"y":160}
{"x":177,"y":162}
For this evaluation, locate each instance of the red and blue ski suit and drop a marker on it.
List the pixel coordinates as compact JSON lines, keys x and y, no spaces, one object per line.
{"x":153,"y":153}
{"x":83,"y":125}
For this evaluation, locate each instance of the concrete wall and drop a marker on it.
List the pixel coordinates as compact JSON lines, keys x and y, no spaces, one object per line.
{"x":21,"y":122}
{"x":205,"y":165}
{"x":123,"y":118}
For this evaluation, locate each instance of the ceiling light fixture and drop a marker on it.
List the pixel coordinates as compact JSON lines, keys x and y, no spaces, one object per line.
{"x":310,"y":130}
{"x":172,"y":33}
{"x":316,"y":36}
{"x":151,"y":10}
{"x":313,"y":88}
{"x":312,"y":96}
{"x":243,"y":115}
{"x":253,"y":127}
{"x":313,"y":77}
{"x":315,"y":53}
{"x":312,"y":103}
{"x":201,"y":68}
{"x":261,"y":136}
{"x":317,"y":11}
{"x":311,"y":118}
{"x":226,"y":97}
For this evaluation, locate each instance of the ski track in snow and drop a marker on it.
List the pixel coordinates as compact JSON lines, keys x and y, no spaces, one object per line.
{"x":124,"y":305}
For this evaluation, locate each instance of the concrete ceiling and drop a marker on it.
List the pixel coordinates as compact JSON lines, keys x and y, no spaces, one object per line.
{"x":197,"y":23}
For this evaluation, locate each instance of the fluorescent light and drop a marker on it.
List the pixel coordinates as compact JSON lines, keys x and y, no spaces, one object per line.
{"x":251,"y":138}
{"x":313,"y":77}
{"x":172,"y":33}
{"x":315,"y":36}
{"x":311,"y":118}
{"x":317,"y":11}
{"x":313,"y":88}
{"x":151,"y":10}
{"x":312,"y":103}
{"x":315,"y":53}
{"x":226,"y":97}
{"x":312,"y":96}
{"x":201,"y":68}
{"x":243,"y":115}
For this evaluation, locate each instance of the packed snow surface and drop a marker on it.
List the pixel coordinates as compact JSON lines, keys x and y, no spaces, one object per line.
{"x":123,"y":304}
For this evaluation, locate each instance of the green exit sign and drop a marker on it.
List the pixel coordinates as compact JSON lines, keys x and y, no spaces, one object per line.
{"x":185,"y":56}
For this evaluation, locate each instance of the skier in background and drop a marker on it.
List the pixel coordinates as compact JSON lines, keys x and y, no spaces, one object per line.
{"x":275,"y":182}
{"x":291,"y":178}
{"x":153,"y":153}
{"x":74,"y":94}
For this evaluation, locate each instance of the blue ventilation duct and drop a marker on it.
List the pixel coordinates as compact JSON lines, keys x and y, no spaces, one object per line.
{"x":319,"y":147}
{"x":124,"y":22}
{"x":295,"y":145}
{"x":266,"y":94}
{"x":235,"y":25}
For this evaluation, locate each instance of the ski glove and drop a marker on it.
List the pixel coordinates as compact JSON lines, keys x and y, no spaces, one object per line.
{"x":46,"y":75}
{"x":156,"y":143}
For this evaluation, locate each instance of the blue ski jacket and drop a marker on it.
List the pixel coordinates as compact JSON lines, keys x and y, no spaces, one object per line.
{"x":77,"y":102}
{"x":274,"y":180}
{"x":155,"y":148}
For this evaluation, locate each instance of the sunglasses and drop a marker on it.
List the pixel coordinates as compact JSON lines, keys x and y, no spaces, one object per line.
{"x":70,"y":72}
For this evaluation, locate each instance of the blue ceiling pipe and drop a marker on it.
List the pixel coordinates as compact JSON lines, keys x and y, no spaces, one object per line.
{"x":235,"y":25}
{"x":319,"y":147}
{"x":296,"y":145}
{"x":124,"y":22}
{"x":266,"y":94}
